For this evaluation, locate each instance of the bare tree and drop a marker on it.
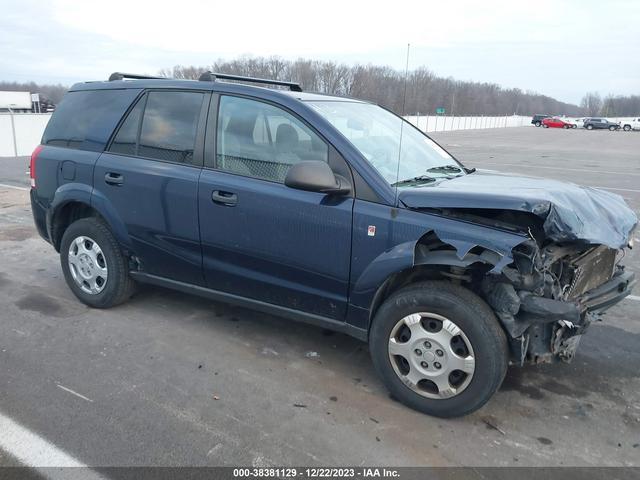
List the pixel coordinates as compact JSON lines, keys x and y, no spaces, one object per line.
{"x":592,"y":103}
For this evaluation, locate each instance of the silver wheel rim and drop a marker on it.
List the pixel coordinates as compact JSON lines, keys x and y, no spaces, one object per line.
{"x":88,"y":265}
{"x":431,"y":355}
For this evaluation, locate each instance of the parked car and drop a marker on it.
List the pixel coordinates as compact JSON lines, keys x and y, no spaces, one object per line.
{"x":633,"y":124}
{"x":537,"y":119}
{"x":579,"y":122}
{"x":600,"y":123}
{"x":297,"y":204}
{"x":555,"y":122}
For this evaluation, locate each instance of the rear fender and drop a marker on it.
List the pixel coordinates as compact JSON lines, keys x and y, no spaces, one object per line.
{"x":81,"y":193}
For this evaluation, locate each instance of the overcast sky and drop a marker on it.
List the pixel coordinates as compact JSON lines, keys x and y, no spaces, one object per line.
{"x":558,"y":48}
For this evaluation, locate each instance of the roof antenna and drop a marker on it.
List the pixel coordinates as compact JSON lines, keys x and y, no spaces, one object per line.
{"x":404,"y":102}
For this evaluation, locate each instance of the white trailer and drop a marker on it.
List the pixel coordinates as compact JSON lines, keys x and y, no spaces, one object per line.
{"x":15,"y":101}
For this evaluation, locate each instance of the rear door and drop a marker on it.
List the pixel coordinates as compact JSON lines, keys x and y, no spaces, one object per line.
{"x":260,"y":238}
{"x":149,"y":176}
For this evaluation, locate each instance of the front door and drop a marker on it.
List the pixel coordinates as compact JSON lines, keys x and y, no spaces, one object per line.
{"x":261,"y":239}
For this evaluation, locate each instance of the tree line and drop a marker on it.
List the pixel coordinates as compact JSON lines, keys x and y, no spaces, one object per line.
{"x":384,"y":85}
{"x":611,"y":106}
{"x":425,"y":91}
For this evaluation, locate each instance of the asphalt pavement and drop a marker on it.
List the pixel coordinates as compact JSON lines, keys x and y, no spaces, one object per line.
{"x":169,"y":379}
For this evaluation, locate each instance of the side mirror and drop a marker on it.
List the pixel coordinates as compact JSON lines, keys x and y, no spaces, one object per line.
{"x":316,"y":176}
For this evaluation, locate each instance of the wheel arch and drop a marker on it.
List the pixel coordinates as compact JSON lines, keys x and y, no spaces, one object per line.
{"x":434,"y":257}
{"x":75,"y":201}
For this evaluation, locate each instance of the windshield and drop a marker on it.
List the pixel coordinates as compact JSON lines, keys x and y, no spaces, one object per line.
{"x":375,"y":132}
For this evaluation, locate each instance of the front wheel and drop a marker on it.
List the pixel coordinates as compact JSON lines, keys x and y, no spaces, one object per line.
{"x":94,"y":267}
{"x":544,"y":125}
{"x":589,"y":127}
{"x":626,"y":128}
{"x":566,"y":126}
{"x":439,"y":348}
{"x":537,"y":124}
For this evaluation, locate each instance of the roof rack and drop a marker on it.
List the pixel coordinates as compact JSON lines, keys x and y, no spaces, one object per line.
{"x":212,"y":77}
{"x":121,"y":76}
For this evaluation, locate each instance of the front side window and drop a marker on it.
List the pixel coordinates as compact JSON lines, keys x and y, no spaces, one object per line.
{"x":376,"y":133}
{"x":259,"y":140}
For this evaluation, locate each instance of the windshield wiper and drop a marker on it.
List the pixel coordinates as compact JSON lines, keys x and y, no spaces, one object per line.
{"x":445,"y":169}
{"x":418,"y":179}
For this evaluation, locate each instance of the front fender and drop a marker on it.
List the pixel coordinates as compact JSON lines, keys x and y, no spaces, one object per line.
{"x":462,"y":236}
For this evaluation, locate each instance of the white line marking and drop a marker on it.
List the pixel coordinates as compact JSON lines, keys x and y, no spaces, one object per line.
{"x":73,"y":393}
{"x":4,"y":185}
{"x":34,"y":451}
{"x":633,"y":297}
{"x":618,"y":189}
{"x":561,"y":168}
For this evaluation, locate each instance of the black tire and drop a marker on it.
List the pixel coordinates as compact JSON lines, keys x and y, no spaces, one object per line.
{"x":119,"y":286}
{"x":544,"y":125}
{"x":471,"y":314}
{"x":589,"y":127}
{"x":627,"y":128}
{"x":574,"y":126}
{"x":566,"y":126}
{"x":537,"y":124}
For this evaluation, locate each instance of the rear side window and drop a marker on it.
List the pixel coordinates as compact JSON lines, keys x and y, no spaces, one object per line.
{"x":126,"y":140}
{"x":163,"y":126}
{"x":85,"y":120}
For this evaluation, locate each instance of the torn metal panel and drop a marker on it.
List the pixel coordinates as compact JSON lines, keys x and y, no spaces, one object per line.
{"x":569,"y":212}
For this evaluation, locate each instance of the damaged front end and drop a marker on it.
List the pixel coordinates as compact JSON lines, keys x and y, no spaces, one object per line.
{"x":548,"y":288}
{"x":548,"y":296}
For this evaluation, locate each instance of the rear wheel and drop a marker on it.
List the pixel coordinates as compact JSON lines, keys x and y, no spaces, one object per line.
{"x":574,"y":126}
{"x":612,"y":128}
{"x":537,"y":124}
{"x":439,"y":348}
{"x":566,"y":126}
{"x":93,"y":264}
{"x":544,"y":125}
{"x":589,"y":127}
{"x":626,"y":128}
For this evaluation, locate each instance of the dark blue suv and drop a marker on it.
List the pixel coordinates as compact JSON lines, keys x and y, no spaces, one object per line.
{"x":331,"y":211}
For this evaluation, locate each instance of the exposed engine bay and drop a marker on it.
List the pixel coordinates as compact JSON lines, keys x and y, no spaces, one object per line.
{"x":544,"y":292}
{"x":543,"y":298}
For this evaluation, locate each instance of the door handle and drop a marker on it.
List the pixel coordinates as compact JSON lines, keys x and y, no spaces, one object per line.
{"x":112,"y":178}
{"x":224,"y":198}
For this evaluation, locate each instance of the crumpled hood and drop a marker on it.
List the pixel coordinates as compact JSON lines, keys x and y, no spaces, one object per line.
{"x":570,"y":212}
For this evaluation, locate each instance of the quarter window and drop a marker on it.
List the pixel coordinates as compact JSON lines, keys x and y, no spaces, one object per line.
{"x":85,"y":119}
{"x":260,"y":140}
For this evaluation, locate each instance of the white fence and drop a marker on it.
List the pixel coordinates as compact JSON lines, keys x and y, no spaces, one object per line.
{"x":446,"y":123}
{"x":20,"y":133}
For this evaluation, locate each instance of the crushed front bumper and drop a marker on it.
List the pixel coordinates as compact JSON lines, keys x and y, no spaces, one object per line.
{"x":545,"y":330}
{"x":608,"y":294}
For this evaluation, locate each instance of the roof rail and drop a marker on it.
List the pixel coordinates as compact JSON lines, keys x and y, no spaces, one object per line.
{"x":121,"y":76}
{"x":212,"y":77}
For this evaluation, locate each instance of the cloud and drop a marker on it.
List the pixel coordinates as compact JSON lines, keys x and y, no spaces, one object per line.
{"x":558,"y":48}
